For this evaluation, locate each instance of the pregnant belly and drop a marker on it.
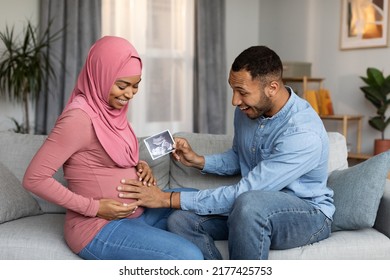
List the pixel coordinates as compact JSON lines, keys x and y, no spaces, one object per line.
{"x":99,"y":182}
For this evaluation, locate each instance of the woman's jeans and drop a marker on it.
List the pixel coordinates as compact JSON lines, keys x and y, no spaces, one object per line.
{"x":142,"y":238}
{"x":258,"y":222}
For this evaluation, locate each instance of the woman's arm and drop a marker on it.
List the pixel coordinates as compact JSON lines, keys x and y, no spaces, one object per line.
{"x":70,"y":134}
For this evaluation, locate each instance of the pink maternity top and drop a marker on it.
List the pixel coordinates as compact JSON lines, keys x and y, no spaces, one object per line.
{"x":90,"y":172}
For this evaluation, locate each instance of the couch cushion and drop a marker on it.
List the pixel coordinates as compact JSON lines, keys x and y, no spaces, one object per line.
{"x":15,"y":201}
{"x":16,"y":152}
{"x":357,"y":192}
{"x":341,"y":245}
{"x":338,"y":153}
{"x":35,"y":238}
{"x":203,"y":144}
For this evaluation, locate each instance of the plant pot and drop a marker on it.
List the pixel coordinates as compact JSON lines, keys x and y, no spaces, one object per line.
{"x":381,"y":146}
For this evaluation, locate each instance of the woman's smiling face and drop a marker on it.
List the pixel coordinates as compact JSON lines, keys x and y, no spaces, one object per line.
{"x":123,"y":90}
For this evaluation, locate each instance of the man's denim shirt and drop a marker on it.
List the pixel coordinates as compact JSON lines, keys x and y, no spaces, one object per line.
{"x":287,"y":152}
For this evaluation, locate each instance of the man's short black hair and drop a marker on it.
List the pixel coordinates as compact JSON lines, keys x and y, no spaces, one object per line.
{"x":261,"y":62}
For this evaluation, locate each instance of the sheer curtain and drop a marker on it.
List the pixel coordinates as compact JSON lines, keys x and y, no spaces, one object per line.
{"x":163,"y":33}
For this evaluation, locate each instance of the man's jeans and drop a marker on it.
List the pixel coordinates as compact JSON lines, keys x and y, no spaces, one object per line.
{"x":258,"y":222}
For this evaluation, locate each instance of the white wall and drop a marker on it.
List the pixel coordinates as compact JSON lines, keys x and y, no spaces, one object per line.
{"x":342,"y":70}
{"x":309,"y":30}
{"x":15,"y":13}
{"x":298,"y":30}
{"x":242,"y":31}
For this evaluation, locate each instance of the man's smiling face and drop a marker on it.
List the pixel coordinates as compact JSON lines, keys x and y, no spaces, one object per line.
{"x":249,"y":94}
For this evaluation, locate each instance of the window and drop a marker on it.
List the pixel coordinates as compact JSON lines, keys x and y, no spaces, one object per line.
{"x":163,"y":33}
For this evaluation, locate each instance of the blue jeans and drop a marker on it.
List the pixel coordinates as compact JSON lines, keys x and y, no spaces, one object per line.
{"x":142,"y":238}
{"x":258,"y":222}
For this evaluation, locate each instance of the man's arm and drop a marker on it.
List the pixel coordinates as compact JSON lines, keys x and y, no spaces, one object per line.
{"x":183,"y":153}
{"x":226,"y":163}
{"x":293,"y":158}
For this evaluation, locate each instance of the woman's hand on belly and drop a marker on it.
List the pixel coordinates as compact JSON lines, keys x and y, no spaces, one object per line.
{"x":145,"y":174}
{"x":111,"y":209}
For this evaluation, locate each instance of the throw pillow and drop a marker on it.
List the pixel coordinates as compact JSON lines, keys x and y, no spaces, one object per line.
{"x":15,"y":201}
{"x":182,"y":176}
{"x":358,"y":191}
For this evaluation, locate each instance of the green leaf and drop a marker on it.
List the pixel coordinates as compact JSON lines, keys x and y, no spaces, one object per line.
{"x":373,"y":95}
{"x":377,"y":91}
{"x":375,"y":77}
{"x":378,"y":123}
{"x":24,"y":63}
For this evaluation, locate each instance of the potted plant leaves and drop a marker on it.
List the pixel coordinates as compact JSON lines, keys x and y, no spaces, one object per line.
{"x":25,"y":66}
{"x":377,"y":91}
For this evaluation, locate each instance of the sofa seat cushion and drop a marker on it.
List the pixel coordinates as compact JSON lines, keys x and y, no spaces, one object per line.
{"x":358,"y":191}
{"x":36,"y":237}
{"x":15,"y":201}
{"x":341,"y":245}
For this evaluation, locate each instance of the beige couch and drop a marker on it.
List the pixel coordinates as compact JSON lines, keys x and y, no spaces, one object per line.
{"x":35,"y":231}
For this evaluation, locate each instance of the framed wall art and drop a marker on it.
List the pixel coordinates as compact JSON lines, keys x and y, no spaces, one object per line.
{"x":364,"y":24}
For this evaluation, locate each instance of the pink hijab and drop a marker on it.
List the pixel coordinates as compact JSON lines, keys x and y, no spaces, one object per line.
{"x":108,"y":59}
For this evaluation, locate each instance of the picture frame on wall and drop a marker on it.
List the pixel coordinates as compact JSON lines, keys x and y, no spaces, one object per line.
{"x":364,"y":24}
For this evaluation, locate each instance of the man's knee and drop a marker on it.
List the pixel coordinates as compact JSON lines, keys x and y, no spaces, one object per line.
{"x":247,"y":202}
{"x":250,"y":205}
{"x":242,"y":209}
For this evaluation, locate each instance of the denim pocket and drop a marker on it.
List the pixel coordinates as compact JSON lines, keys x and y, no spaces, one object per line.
{"x":323,"y":232}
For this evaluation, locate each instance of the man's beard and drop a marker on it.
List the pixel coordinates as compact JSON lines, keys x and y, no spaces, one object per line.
{"x":261,"y":109}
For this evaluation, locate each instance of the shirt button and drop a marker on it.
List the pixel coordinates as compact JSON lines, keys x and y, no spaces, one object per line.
{"x":262,"y":126}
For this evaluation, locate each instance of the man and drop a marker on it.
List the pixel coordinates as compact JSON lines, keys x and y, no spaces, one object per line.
{"x":280,"y":147}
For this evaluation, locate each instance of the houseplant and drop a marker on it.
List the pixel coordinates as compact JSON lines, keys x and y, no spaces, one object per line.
{"x":377,"y":91}
{"x":25,"y":66}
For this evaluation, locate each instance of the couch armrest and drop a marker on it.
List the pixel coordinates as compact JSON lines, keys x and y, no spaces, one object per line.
{"x":382,"y":222}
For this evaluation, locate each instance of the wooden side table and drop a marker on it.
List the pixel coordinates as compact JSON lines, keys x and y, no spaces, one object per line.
{"x":345,"y":119}
{"x":305,"y":81}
